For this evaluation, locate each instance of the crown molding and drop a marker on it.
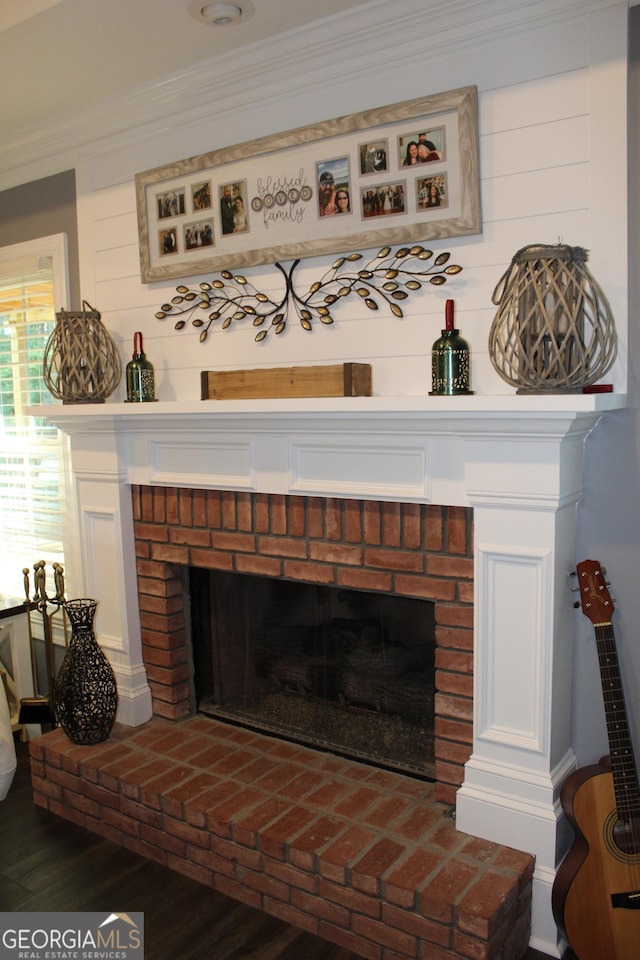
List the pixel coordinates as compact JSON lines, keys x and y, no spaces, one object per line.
{"x":345,"y":52}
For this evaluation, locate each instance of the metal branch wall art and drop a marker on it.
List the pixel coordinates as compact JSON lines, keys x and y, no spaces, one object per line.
{"x":386,"y":280}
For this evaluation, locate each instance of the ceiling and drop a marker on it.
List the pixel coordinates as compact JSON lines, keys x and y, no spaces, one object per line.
{"x":62,"y":55}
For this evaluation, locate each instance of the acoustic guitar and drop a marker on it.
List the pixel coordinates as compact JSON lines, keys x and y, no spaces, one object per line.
{"x":596,"y":894}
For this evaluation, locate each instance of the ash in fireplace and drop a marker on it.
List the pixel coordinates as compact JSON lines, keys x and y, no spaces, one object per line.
{"x":387,"y":740}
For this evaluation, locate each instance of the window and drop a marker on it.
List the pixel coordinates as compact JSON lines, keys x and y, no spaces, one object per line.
{"x":34,"y":458}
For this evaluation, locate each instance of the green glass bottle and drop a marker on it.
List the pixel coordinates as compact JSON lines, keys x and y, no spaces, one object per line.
{"x":450,"y":361}
{"x":140,"y":374}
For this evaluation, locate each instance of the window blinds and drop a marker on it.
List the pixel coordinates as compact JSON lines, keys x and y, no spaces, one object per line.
{"x":33,"y":454}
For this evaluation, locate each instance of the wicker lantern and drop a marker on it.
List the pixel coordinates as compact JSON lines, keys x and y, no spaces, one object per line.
{"x":81,"y":362}
{"x":554,"y":329}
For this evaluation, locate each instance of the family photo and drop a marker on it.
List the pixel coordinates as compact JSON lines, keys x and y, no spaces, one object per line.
{"x":198,"y":234}
{"x":201,"y":195}
{"x":170,"y":204}
{"x":432,"y":192}
{"x":382,"y":200}
{"x":425,"y":147}
{"x":233,"y":208}
{"x":168,"y":242}
{"x":333,"y":187}
{"x":373,"y":157}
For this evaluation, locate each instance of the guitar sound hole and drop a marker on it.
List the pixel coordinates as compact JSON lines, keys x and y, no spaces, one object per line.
{"x":626,"y":836}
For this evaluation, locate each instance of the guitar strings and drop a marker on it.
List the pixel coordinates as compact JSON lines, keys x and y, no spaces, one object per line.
{"x":626,"y":829}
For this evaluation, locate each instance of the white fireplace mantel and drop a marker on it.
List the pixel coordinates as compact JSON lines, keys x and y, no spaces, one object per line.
{"x":381,"y":447}
{"x":517,"y":460}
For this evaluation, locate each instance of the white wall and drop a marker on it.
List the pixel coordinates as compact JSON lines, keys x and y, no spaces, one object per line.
{"x":551,"y":76}
{"x":551,"y":95}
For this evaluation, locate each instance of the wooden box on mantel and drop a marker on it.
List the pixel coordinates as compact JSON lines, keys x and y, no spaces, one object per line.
{"x":325,"y":380}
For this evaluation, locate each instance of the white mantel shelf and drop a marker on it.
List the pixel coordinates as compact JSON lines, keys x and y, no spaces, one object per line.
{"x":500,"y":405}
{"x":447,"y":450}
{"x":463,"y":415}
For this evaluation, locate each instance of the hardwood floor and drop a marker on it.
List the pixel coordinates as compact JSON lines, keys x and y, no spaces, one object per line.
{"x":49,"y":864}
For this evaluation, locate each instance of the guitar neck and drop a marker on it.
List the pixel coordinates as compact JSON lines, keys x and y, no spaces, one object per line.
{"x":623,"y":766}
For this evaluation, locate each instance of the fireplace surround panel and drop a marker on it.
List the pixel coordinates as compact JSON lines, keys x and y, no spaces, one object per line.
{"x":503,"y":725}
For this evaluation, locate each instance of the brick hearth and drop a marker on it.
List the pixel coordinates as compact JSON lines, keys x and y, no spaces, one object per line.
{"x":365,"y":858}
{"x":407,"y":549}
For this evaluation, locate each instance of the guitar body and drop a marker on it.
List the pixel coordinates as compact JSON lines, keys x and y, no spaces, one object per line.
{"x":596,"y":893}
{"x":595,"y":869}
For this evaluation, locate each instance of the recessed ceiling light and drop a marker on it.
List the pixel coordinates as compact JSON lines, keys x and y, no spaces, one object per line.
{"x":221,"y":14}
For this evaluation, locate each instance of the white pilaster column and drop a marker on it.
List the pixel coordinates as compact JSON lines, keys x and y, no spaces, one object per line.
{"x":108,"y":563}
{"x":524,"y":497}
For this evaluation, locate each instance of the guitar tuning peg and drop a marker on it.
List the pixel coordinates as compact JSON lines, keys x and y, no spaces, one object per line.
{"x":577,"y":605}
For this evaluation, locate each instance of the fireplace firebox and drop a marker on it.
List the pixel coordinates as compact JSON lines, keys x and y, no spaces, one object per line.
{"x":350,"y":671}
{"x":399,"y":551}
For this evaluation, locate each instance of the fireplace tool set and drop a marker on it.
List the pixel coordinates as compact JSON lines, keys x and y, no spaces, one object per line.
{"x":39,"y":707}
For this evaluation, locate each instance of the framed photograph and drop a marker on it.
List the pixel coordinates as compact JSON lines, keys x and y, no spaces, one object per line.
{"x":201,"y":195}
{"x":332,"y":177}
{"x":426,"y":146}
{"x":233,"y":208}
{"x":400,"y":174}
{"x":383,"y":199}
{"x":431,"y":192}
{"x":373,"y":157}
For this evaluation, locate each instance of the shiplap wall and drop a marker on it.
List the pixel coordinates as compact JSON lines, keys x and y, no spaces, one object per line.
{"x":552,"y":78}
{"x":552,"y":119}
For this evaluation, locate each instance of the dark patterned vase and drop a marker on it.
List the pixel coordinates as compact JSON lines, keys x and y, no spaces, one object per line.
{"x":85,"y":693}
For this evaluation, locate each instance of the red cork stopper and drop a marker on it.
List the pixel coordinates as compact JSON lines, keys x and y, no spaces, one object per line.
{"x":448,"y":315}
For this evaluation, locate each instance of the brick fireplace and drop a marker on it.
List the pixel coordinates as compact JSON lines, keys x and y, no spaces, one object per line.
{"x":406,"y":549}
{"x":205,"y":475}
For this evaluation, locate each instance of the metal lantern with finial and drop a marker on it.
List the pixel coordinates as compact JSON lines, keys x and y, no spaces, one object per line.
{"x":554,"y":330}
{"x":140,"y":374}
{"x":450,"y":360}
